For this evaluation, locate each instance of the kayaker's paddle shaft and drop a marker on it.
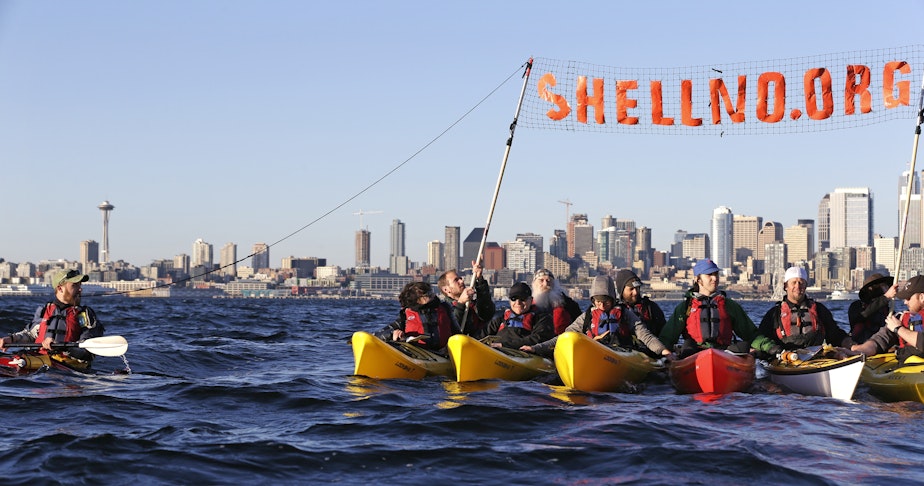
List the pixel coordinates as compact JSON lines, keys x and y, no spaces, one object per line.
{"x":100,"y":346}
{"x":500,"y":177}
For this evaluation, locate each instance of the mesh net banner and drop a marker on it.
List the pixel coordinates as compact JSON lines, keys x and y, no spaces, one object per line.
{"x":805,"y":94}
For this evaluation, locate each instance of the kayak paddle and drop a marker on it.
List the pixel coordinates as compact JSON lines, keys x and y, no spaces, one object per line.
{"x":100,"y":346}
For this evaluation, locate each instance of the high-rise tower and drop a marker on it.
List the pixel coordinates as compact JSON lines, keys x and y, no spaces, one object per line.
{"x":106,"y":208}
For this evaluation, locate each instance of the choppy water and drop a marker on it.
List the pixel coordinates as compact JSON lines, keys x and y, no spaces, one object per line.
{"x":261,"y":392}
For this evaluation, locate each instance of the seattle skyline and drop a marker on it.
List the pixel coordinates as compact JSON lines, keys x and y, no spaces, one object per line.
{"x":195,"y":131}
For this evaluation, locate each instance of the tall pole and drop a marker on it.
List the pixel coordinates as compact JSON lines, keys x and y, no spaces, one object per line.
{"x":914,"y":156}
{"x":500,"y":177}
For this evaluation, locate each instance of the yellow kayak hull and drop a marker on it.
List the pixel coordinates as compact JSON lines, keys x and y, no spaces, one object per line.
{"x":585,"y":364}
{"x":474,"y":360}
{"x":892,"y":383}
{"x":376,"y":358}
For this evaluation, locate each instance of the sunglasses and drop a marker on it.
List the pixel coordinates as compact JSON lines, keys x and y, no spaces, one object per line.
{"x":519,"y":299}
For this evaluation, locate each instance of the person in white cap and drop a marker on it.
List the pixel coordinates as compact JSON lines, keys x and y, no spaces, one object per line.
{"x":797,"y":321}
{"x":63,"y":320}
{"x":904,"y":330}
{"x":706,"y":318}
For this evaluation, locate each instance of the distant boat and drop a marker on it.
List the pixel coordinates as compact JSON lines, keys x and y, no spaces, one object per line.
{"x":842,"y":295}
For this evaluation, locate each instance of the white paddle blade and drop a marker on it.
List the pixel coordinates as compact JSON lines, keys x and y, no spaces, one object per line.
{"x":106,"y":345}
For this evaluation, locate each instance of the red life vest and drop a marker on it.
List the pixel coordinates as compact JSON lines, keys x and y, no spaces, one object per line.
{"x":917,"y":325}
{"x":561,"y":318}
{"x":787,"y":317}
{"x":702,"y":323}
{"x":72,"y":318}
{"x":437,"y":324}
{"x":524,"y":321}
{"x":642,"y":311}
{"x":601,"y":322}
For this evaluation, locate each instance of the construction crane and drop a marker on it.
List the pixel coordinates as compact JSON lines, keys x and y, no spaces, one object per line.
{"x":360,"y":213}
{"x":567,"y":204}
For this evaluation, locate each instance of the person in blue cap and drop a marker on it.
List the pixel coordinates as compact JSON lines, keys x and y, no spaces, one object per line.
{"x":707,"y":318}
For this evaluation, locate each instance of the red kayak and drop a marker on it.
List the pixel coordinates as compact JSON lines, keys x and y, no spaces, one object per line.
{"x":713,"y":371}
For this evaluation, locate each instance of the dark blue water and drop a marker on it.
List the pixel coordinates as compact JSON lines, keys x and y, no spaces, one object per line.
{"x":260,"y":392}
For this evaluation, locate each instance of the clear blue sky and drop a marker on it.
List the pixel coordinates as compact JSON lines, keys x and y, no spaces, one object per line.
{"x":244,"y":121}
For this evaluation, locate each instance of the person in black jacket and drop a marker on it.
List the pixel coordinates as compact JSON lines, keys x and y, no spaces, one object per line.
{"x":868,"y":314}
{"x":522,"y":324}
{"x":473,"y":306}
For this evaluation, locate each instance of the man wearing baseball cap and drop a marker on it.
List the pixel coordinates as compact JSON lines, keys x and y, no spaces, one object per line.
{"x":63,"y":320}
{"x":903,"y":330}
{"x":797,"y":321}
{"x":706,"y":318}
{"x":522,"y":324}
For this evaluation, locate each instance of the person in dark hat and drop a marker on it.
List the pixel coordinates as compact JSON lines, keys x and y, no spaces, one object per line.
{"x":423,"y":316}
{"x":610,"y":321}
{"x":629,"y":289}
{"x":904,"y":330}
{"x":868,"y":314}
{"x":798,"y":321}
{"x":548,"y":296}
{"x":63,"y":320}
{"x":522,"y":324}
{"x":706,"y":318}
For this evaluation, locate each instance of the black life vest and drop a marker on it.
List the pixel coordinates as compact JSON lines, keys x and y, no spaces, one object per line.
{"x":75,"y":319}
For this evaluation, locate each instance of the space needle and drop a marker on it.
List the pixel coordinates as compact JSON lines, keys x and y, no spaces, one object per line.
{"x":105,"y":207}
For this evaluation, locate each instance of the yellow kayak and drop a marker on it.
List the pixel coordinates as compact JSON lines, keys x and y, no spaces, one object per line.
{"x":475,"y":360}
{"x":585,"y":364}
{"x":376,"y":358}
{"x":892,"y":383}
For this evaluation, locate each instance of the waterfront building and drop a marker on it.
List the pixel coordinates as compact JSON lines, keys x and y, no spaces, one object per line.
{"x":470,"y":248}
{"x":914,"y":226}
{"x":261,"y":256}
{"x":89,"y":255}
{"x":695,"y":246}
{"x":451,"y":248}
{"x":770,"y":232}
{"x":521,"y":256}
{"x":558,"y":244}
{"x":798,"y":243}
{"x":824,"y":223}
{"x":886,"y":251}
{"x":202,"y":254}
{"x":397,"y":259}
{"x":495,"y":258}
{"x":580,"y":236}
{"x":363,"y":249}
{"x":851,"y":217}
{"x":744,"y":236}
{"x":228,"y":260}
{"x":721,"y":234}
{"x":435,"y":254}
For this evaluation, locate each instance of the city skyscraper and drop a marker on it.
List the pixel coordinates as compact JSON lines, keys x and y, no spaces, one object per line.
{"x":451,"y":248}
{"x":770,"y":232}
{"x":470,"y":247}
{"x":261,"y":256}
{"x":722,"y":234}
{"x":914,"y":226}
{"x":580,"y":236}
{"x":824,"y":223}
{"x":228,"y":260}
{"x":202,"y":254}
{"x":397,"y":259}
{"x":851,"y":217}
{"x":363,"y":250}
{"x":558,"y":244}
{"x":106,"y":208}
{"x":798,"y":243}
{"x":745,"y":230}
{"x":89,"y":254}
{"x":809,"y":224}
{"x":435,"y":254}
{"x":537,"y":242}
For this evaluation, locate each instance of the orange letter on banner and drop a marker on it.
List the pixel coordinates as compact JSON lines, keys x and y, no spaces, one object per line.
{"x":623,"y":102}
{"x":888,"y":84}
{"x":852,"y":89}
{"x":779,"y":97}
{"x":657,"y":108}
{"x":548,"y":79}
{"x":717,"y":88}
{"x":811,"y":98}
{"x":686,"y":105}
{"x":596,"y":101}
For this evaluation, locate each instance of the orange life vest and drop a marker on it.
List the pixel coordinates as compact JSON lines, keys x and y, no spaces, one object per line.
{"x":916,"y":325}
{"x":704,"y":325}
{"x":788,"y":317}
{"x":437,"y":324}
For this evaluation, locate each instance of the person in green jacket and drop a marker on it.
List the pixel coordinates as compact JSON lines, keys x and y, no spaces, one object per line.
{"x":706,"y":318}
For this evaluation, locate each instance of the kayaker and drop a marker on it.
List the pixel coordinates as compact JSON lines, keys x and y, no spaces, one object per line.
{"x":798,"y":321}
{"x":868,"y":314}
{"x":548,"y":296}
{"x":610,"y":321}
{"x":905,"y":329}
{"x":522,"y":324}
{"x":477,"y":300}
{"x":422,"y":314}
{"x":629,"y":287}
{"x":63,"y":320}
{"x":707,"y":318}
